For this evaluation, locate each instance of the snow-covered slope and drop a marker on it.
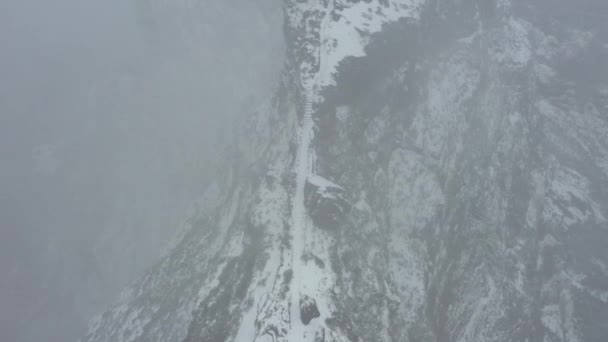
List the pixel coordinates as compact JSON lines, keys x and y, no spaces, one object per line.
{"x":428,"y":171}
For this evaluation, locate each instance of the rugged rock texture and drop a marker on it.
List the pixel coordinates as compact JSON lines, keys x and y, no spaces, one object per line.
{"x":464,"y":145}
{"x":326,"y":203}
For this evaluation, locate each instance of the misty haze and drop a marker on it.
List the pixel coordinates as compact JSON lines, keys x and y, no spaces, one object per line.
{"x":304,"y":170}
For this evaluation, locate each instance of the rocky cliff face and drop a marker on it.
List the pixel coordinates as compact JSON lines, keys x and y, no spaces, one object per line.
{"x":427,"y":171}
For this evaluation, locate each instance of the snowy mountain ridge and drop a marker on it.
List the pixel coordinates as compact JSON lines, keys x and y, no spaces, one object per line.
{"x":427,"y":171}
{"x":335,"y":30}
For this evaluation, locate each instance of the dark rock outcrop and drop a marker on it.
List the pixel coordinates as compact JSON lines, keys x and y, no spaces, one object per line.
{"x":308,"y":309}
{"x":326,"y":202}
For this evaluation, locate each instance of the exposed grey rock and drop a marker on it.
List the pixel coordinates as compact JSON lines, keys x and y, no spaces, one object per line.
{"x":326,"y":202}
{"x":308,"y":309}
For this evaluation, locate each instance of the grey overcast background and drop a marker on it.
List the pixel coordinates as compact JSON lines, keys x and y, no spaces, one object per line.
{"x":110,"y":116}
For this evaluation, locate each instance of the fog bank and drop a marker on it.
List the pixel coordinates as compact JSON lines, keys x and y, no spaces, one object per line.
{"x":111,"y":117}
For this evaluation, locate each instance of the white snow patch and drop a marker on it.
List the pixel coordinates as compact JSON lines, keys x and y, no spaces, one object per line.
{"x":568,"y":187}
{"x":343,"y":113}
{"x":349,"y":35}
{"x":514,"y":47}
{"x":247,"y":330}
{"x":362,"y":204}
{"x":321,"y":182}
{"x":551,"y":319}
{"x":548,"y":241}
{"x":303,"y":171}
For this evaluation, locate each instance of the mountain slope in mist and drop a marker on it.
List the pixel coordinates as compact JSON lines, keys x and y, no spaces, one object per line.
{"x":426,"y":171}
{"x":110,"y":118}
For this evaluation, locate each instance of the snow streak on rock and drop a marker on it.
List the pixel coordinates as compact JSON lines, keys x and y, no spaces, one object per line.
{"x":303,"y":168}
{"x":336,"y":30}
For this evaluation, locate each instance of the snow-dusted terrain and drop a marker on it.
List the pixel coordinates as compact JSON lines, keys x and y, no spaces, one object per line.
{"x":428,"y":171}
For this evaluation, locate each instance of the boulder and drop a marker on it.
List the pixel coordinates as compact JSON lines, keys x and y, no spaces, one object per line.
{"x":326,"y":202}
